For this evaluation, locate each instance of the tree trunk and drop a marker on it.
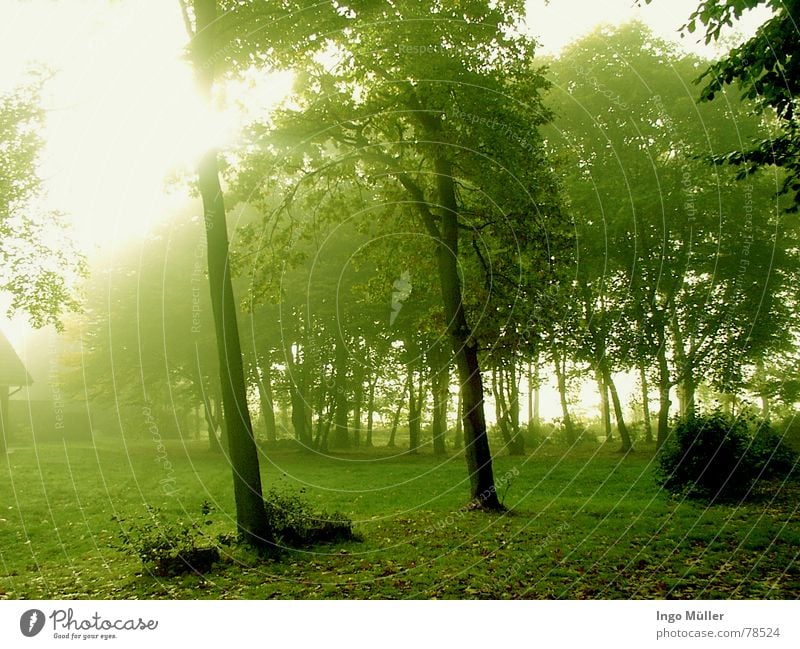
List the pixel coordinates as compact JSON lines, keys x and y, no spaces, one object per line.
{"x":627,"y":443}
{"x":684,"y":371}
{"x":396,"y":419}
{"x":507,"y":410}
{"x":358,"y":403}
{"x":664,"y":385}
{"x":729,"y":403}
{"x":605,"y":408}
{"x":531,"y":427}
{"x":537,"y":420}
{"x":688,"y":389}
{"x":561,"y":379}
{"x":300,"y":414}
{"x":440,"y":385}
{"x":500,"y":406}
{"x":266,"y":399}
{"x":211,"y":421}
{"x":512,"y":390}
{"x":465,"y":347}
{"x":251,"y":516}
{"x":414,"y":413}
{"x":761,"y":388}
{"x":371,"y":409}
{"x":458,"y":441}
{"x":327,"y":405}
{"x":648,"y":426}
{"x":341,"y":434}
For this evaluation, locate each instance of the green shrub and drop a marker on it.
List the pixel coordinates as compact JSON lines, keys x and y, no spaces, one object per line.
{"x":789,"y":428}
{"x":296,"y":525}
{"x":169,"y":548}
{"x":173,"y":547}
{"x":717,"y":457}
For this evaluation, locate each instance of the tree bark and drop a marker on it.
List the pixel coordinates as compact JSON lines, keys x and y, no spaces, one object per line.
{"x":358,"y":403}
{"x":251,"y":516}
{"x":531,"y":426}
{"x":761,"y":388}
{"x":684,"y":371}
{"x":341,"y":434}
{"x":537,"y":421}
{"x":414,"y":413}
{"x":648,"y":426}
{"x":664,"y":386}
{"x":627,"y":443}
{"x":465,"y":347}
{"x":211,"y":420}
{"x":561,"y":379}
{"x":440,"y":384}
{"x":512,"y":389}
{"x":266,"y":399}
{"x":396,"y":419}
{"x":371,"y":408}
{"x":300,"y":414}
{"x":506,"y":399}
{"x":605,"y":408}
{"x":458,"y":440}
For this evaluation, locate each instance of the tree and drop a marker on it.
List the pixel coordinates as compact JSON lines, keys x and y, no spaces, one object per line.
{"x":251,"y":516}
{"x":767,"y":71}
{"x":457,"y":157}
{"x":645,"y":203}
{"x":35,"y":273}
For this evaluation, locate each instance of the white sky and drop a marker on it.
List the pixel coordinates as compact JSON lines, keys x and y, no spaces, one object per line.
{"x":559,"y":22}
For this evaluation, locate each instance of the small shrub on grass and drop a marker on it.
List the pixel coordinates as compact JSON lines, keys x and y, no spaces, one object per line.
{"x":296,"y":525}
{"x":717,"y":457}
{"x":170,"y":548}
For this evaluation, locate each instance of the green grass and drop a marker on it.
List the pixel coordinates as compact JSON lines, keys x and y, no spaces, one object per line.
{"x":585,"y":523}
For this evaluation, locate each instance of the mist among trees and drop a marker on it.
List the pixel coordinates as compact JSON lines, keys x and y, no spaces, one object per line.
{"x":446,"y":288}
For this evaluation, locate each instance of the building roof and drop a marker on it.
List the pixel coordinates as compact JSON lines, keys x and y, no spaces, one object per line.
{"x":12,"y":371}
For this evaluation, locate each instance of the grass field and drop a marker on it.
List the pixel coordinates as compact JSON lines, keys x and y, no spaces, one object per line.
{"x":584,"y":523}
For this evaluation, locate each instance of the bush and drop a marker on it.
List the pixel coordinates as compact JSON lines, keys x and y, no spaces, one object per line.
{"x":168,"y":548}
{"x":790,"y":431}
{"x":717,"y":457}
{"x":296,"y":525}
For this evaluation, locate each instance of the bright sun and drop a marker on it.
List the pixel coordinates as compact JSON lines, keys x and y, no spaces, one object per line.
{"x":123,"y":112}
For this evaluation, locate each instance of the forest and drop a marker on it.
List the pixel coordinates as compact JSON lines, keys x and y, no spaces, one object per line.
{"x":447,"y":317}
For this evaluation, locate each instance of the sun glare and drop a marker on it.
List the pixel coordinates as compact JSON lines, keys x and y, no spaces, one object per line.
{"x":123,"y":110}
